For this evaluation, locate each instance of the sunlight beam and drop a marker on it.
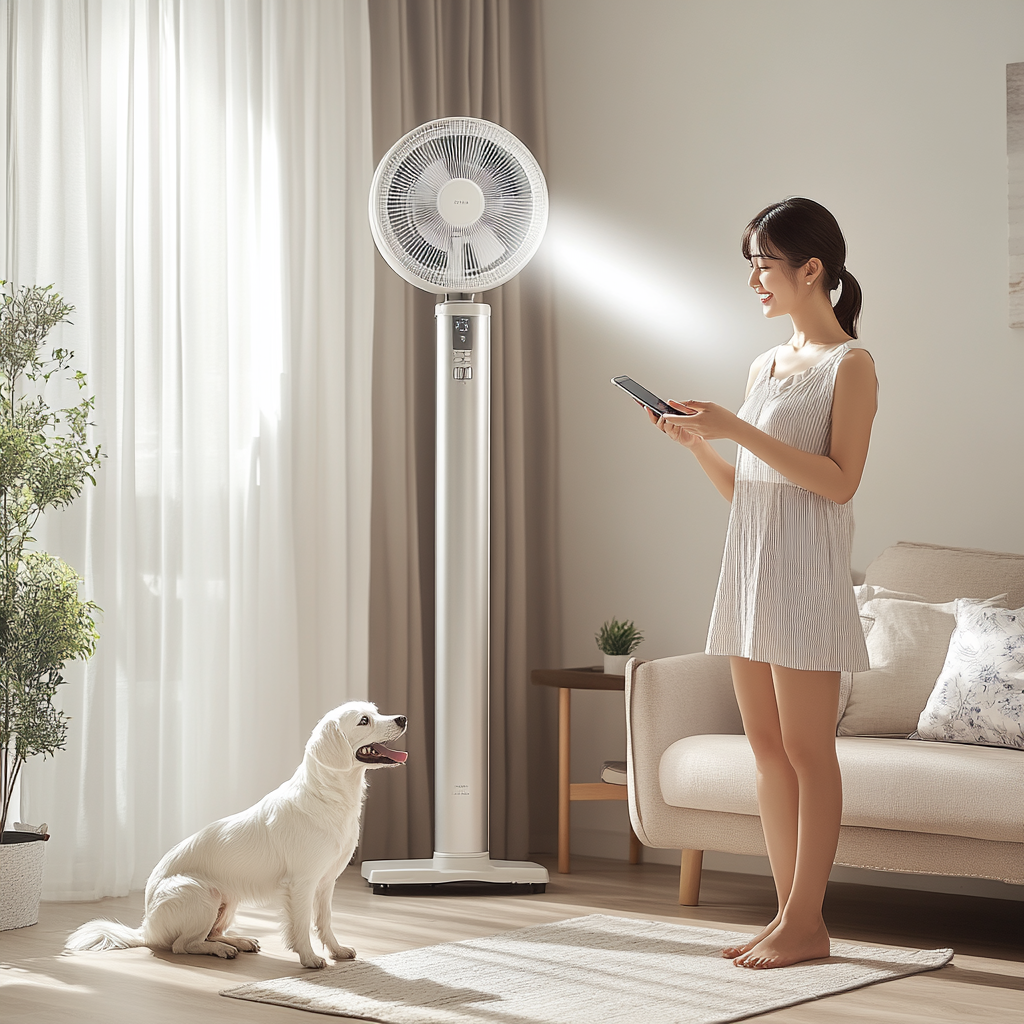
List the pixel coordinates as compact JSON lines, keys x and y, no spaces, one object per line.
{"x":622,"y":277}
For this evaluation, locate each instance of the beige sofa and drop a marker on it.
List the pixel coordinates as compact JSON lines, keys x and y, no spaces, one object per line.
{"x":909,"y":805}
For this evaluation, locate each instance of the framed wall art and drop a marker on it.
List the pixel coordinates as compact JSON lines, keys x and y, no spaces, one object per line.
{"x":1015,"y":169}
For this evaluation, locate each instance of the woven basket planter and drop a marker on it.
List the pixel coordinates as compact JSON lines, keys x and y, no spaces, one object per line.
{"x":21,"y":882}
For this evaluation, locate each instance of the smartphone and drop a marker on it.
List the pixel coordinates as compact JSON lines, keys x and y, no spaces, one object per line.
{"x":647,"y":398}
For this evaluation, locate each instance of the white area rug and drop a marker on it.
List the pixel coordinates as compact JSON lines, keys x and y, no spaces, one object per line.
{"x":597,"y":968}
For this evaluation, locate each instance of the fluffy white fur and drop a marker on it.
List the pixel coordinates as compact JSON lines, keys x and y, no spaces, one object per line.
{"x":289,"y":848}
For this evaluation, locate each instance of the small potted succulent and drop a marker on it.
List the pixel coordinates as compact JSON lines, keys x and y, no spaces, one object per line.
{"x":617,"y":641}
{"x":44,"y":461}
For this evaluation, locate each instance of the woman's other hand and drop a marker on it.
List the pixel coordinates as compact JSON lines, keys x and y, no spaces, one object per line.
{"x":675,"y":427}
{"x":707,"y":421}
{"x":679,"y":428}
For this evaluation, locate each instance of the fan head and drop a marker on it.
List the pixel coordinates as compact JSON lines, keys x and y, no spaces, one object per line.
{"x":458,"y":205}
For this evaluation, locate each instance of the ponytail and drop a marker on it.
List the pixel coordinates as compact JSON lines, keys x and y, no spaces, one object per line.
{"x":847,"y":307}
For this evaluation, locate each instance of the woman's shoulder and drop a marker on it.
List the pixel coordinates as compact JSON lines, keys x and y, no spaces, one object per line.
{"x":757,"y":366}
{"x":857,"y":360}
{"x":856,"y":354}
{"x":760,"y":360}
{"x":856,"y":367}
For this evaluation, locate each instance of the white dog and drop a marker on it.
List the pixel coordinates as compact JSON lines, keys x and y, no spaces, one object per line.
{"x":288,"y":848}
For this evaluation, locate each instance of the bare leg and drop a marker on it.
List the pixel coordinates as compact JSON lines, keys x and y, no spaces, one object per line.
{"x":777,"y":792}
{"x":807,"y":704}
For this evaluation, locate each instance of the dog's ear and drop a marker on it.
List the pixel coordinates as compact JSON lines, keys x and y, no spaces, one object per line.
{"x":330,"y":747}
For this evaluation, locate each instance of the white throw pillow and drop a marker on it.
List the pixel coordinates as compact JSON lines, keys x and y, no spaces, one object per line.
{"x":864,"y":593}
{"x":979,"y":695}
{"x":907,"y":639}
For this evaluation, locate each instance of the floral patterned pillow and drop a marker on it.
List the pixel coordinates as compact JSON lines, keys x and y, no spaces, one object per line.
{"x":979,"y":695}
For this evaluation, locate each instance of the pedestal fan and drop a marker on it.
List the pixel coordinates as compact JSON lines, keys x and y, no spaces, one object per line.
{"x":459,"y":206}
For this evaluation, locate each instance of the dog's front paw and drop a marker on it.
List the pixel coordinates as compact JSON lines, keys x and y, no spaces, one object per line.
{"x":242,"y":943}
{"x":314,"y":961}
{"x":223,"y":950}
{"x":343,"y":953}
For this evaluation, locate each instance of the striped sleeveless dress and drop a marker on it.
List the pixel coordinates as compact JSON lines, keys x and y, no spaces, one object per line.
{"x":785,"y":594}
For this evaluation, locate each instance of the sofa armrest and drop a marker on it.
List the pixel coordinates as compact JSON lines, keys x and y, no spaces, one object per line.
{"x":665,"y":701}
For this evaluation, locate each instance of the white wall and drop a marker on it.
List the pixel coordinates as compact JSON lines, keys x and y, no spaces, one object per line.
{"x":670,"y":125}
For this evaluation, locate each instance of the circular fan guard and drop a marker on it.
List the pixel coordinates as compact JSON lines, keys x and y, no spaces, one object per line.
{"x":458,"y":205}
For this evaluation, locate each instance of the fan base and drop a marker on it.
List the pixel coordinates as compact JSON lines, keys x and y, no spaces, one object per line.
{"x":462,"y":889}
{"x":475,"y":874}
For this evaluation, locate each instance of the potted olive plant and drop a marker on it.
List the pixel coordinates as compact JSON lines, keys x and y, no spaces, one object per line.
{"x":44,"y":462}
{"x":617,"y":641}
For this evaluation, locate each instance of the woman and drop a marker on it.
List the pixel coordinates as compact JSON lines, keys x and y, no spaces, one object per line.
{"x":785,"y":611}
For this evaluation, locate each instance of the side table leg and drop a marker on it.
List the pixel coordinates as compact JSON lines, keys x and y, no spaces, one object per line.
{"x":563,"y":780}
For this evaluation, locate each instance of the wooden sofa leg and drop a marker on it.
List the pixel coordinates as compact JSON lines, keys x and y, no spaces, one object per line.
{"x":635,"y":846}
{"x":689,"y":877}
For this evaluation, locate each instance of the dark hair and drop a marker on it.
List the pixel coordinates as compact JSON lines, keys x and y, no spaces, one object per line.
{"x":797,"y":230}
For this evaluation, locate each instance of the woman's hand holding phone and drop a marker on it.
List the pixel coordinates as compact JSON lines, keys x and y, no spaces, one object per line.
{"x":693,"y":422}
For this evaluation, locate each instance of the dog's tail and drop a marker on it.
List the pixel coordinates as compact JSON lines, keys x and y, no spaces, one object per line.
{"x":101,"y":934}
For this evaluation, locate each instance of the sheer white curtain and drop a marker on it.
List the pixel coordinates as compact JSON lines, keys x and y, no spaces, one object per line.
{"x":192,"y":176}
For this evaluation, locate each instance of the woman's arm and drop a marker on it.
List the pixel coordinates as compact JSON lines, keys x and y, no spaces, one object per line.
{"x":721,"y":473}
{"x":835,"y":476}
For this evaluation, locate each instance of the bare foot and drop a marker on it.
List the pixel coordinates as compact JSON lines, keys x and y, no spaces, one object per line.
{"x":788,"y":944}
{"x":731,"y":952}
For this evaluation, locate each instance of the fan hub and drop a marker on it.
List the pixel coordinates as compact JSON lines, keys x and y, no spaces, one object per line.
{"x":460,"y":202}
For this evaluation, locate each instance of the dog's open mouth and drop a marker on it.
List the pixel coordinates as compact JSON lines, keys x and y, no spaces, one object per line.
{"x":377,"y":753}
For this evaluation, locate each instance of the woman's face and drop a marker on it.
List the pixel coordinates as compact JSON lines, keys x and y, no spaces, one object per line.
{"x":774,"y":282}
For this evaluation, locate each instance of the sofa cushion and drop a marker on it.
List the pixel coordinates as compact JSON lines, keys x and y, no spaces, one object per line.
{"x":942,"y":574}
{"x":979,"y":695}
{"x":904,"y":785}
{"x":865,"y":593}
{"x":907,"y":642}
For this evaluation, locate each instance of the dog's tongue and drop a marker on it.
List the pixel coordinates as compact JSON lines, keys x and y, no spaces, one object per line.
{"x":395,"y":755}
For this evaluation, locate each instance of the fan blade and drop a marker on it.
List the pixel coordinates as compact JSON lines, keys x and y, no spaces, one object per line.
{"x":429,"y":182}
{"x":434,"y":231}
{"x":487,"y":246}
{"x":457,"y":260}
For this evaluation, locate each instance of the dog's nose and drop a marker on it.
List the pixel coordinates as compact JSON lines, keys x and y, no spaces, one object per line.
{"x":401,"y":720}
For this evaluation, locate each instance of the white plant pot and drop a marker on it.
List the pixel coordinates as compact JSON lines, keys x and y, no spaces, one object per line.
{"x":21,"y":883}
{"x":615,"y":664}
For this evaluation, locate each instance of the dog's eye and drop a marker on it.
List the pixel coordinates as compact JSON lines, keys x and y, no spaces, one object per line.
{"x":364,"y":720}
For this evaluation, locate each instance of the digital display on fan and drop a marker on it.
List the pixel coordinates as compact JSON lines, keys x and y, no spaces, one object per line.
{"x":460,"y":333}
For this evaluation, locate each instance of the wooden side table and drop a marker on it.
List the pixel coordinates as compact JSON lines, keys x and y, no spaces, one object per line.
{"x":566,"y":680}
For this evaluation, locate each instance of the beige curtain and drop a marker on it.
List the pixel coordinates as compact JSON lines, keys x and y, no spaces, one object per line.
{"x":477,"y":58}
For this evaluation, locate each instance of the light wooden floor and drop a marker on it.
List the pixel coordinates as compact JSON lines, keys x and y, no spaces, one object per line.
{"x":985,"y":982}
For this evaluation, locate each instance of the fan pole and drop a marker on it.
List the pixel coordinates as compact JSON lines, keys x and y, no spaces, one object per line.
{"x":462,"y":578}
{"x":462,"y":617}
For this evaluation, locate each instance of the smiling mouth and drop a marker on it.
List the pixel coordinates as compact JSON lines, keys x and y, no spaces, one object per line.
{"x":377,"y":753}
{"x":765,"y":298}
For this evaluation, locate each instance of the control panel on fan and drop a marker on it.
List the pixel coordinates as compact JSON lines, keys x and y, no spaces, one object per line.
{"x":462,"y":348}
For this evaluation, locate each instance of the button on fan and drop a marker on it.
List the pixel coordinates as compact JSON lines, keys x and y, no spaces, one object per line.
{"x":462,"y":372}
